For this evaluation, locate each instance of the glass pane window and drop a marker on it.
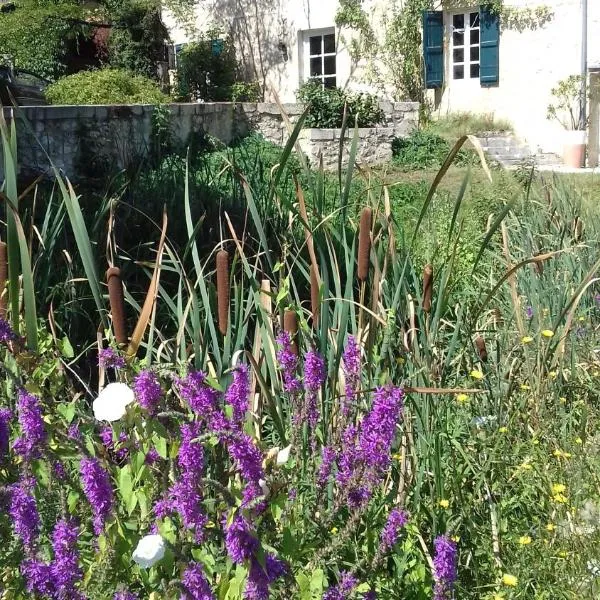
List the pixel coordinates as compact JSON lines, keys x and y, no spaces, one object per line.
{"x":320,"y":57}
{"x":465,"y":46}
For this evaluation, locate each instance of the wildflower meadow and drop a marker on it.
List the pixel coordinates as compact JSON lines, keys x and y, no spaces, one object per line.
{"x":323,"y":405}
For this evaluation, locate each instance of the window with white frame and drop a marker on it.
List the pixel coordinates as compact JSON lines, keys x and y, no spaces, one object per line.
{"x":465,"y":45}
{"x":320,"y":57}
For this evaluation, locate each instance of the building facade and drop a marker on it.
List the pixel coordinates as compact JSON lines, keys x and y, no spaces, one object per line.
{"x":473,"y":61}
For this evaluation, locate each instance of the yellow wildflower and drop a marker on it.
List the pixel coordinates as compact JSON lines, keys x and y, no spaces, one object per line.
{"x":559,"y":488}
{"x":581,"y":319}
{"x":562,"y":400}
{"x":497,"y":597}
{"x":524,"y":540}
{"x":547,"y":333}
{"x":444,"y":503}
{"x":462,"y":398}
{"x":333,"y":530}
{"x":535,"y":441}
{"x":502,"y":429}
{"x":578,"y":441}
{"x":526,"y":339}
{"x":397,"y":456}
{"x":456,"y":538}
{"x":550,"y":527}
{"x":476,"y":374}
{"x":553,"y":374}
{"x":563,"y":554}
{"x":525,"y":387}
{"x":509,"y":580}
{"x":561,"y":453}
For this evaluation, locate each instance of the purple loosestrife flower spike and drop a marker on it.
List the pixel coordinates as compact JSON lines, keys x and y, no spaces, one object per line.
{"x":38,"y":577}
{"x":259,"y":578}
{"x":240,"y":541}
{"x":327,"y":460}
{"x":529,"y":312}
{"x":444,"y":567}
{"x":248,"y":462}
{"x":125,"y":596}
{"x":288,"y":364}
{"x":152,"y":456}
{"x":33,"y":437}
{"x":314,"y":377}
{"x":195,"y":584}
{"x":397,"y":519}
{"x":108,"y":358}
{"x":238,"y":394}
{"x":73,"y":433}
{"x":24,"y":514}
{"x":65,"y":566}
{"x":351,"y":359}
{"x":6,"y":332}
{"x":98,"y":490}
{"x":198,"y":394}
{"x":343,"y":589}
{"x":5,"y":417}
{"x":147,"y":390}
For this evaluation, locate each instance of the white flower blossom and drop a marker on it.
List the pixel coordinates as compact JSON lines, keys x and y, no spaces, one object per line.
{"x":111,"y":403}
{"x":150,"y":549}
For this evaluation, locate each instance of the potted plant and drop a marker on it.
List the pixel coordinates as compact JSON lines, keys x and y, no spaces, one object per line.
{"x":566,"y":109}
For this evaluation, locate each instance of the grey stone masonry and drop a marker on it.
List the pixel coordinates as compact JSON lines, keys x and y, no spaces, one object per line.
{"x":85,"y":141}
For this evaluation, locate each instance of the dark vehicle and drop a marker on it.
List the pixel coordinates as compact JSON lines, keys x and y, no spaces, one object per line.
{"x":22,"y":87}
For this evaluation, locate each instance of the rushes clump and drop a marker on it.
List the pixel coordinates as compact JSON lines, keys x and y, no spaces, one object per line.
{"x":364,"y":242}
{"x":117,"y":304}
{"x":223,"y":289}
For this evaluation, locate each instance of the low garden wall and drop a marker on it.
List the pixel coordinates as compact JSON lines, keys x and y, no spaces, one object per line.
{"x":89,"y":141}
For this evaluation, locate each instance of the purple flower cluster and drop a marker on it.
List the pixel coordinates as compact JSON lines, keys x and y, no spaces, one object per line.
{"x":152,"y":456}
{"x":314,"y":377}
{"x":238,"y":394}
{"x":6,"y":332}
{"x":260,"y":578}
{"x":33,"y":430}
{"x":351,"y":360}
{"x":343,"y":589}
{"x":444,"y":567}
{"x":5,"y":418}
{"x":121,"y":452}
{"x":24,"y":514}
{"x":197,"y":393}
{"x":98,"y":491}
{"x":108,"y":358}
{"x":327,"y":459}
{"x":73,"y":433}
{"x":125,"y":596}
{"x":65,"y":567}
{"x":38,"y":577}
{"x":248,"y":462}
{"x":240,"y":541}
{"x":397,"y":519}
{"x":195,"y":584}
{"x":147,"y":390}
{"x":288,"y":364}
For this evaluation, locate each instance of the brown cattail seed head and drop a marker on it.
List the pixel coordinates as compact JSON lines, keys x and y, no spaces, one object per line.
{"x":290,"y":324}
{"x":3,"y":278}
{"x":117,"y":304}
{"x":314,"y":295}
{"x":223,"y":289}
{"x":481,"y":349}
{"x":427,"y":287}
{"x":364,"y":242}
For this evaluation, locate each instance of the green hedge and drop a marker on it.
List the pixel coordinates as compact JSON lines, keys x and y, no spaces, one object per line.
{"x":105,"y":86}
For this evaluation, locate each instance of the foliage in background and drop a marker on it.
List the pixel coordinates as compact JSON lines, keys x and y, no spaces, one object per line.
{"x":566,"y":104}
{"x":326,"y":106}
{"x":207,"y":69}
{"x":453,"y":125}
{"x":242,"y":91}
{"x":105,"y":86}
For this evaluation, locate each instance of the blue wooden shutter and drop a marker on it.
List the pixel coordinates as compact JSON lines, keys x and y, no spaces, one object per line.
{"x":433,"y":48}
{"x":489,"y":71}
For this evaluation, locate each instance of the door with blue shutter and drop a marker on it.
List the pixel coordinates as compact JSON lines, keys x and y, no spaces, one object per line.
{"x":489,"y":73}
{"x":433,"y":48}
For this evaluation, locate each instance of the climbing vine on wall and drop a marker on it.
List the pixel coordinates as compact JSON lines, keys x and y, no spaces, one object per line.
{"x":392,"y":60}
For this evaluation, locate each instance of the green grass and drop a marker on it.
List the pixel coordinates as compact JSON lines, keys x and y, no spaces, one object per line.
{"x":453,"y":125}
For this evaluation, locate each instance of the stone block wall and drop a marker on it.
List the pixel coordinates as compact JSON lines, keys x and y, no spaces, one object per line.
{"x":92,"y":141}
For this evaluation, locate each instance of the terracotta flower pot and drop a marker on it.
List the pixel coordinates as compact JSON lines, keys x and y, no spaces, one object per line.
{"x":574,"y":149}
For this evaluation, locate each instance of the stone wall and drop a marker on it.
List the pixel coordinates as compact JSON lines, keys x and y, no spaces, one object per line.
{"x":92,"y":141}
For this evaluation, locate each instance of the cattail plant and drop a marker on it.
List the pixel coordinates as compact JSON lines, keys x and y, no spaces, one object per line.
{"x":314,"y":295}
{"x":364,"y":242}
{"x":117,"y":304}
{"x":3,"y":278}
{"x":290,"y":325}
{"x":223,"y":289}
{"x":427,"y":287}
{"x":481,"y":348}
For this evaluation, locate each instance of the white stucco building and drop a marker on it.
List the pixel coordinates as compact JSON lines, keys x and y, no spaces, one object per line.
{"x":484,"y":66}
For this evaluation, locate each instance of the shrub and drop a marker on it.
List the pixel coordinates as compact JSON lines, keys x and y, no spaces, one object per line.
{"x":105,"y":86}
{"x":207,"y":70}
{"x":327,"y":106}
{"x":242,"y":91}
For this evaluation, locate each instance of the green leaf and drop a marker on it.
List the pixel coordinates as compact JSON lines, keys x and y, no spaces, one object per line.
{"x":65,"y":348}
{"x":126,"y":485}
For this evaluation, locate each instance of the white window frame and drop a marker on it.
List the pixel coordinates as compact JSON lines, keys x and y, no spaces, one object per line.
{"x":307,"y":56}
{"x":466,"y":47}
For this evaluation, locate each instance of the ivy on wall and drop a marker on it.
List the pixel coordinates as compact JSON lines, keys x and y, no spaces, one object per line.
{"x":392,"y":60}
